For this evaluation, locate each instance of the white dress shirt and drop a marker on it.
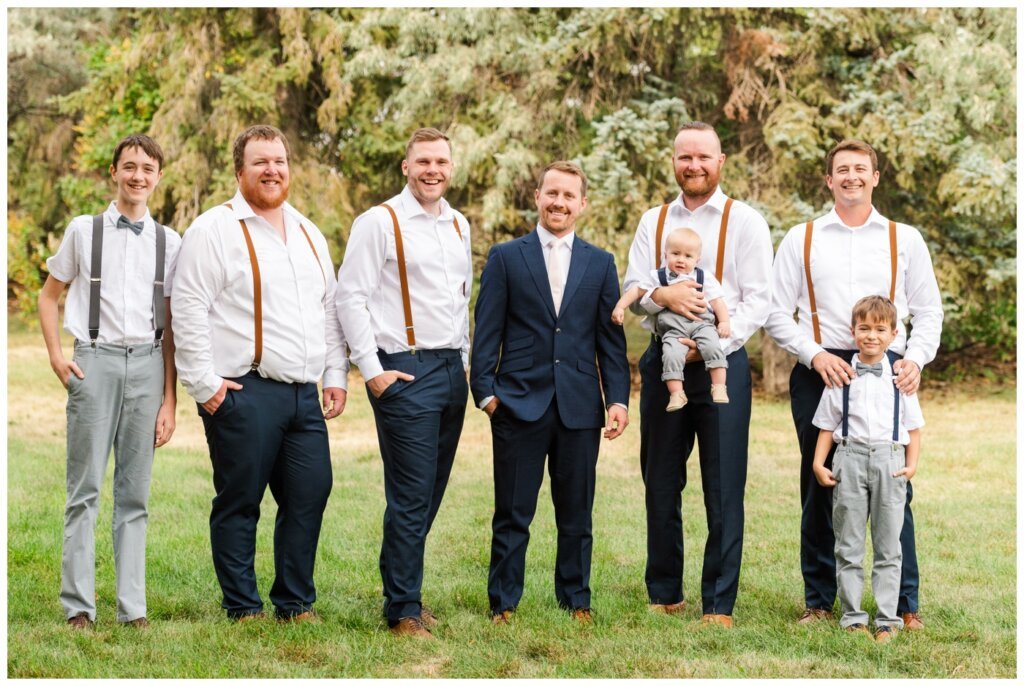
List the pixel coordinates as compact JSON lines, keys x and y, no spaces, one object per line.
{"x":564,"y":259}
{"x":746,"y":277}
{"x":712,"y":290}
{"x":848,"y":263}
{"x":127,"y":270}
{"x":439,"y":268}
{"x":213,"y":303}
{"x":871,"y":403}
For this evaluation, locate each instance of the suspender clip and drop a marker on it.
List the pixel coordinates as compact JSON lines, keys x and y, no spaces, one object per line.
{"x":255,"y":367}
{"x":412,"y":350}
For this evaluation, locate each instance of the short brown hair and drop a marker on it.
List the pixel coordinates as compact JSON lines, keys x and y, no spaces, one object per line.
{"x":142,"y":141}
{"x":875,"y":308}
{"x":259,"y":132}
{"x":854,"y":146}
{"x":565,"y":167}
{"x":696,"y":126}
{"x":426,"y":135}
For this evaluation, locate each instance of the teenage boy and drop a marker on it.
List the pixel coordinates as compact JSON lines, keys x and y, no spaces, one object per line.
{"x":121,"y":379}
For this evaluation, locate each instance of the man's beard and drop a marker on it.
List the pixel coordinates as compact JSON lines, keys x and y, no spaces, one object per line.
{"x":262,"y":198}
{"x":697,"y":186}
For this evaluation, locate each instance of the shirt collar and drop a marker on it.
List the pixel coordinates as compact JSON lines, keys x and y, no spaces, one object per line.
{"x":241,"y":209}
{"x":546,"y":237}
{"x":717,"y":201}
{"x":874,"y":219}
{"x":113,"y":214}
{"x":411,"y":207}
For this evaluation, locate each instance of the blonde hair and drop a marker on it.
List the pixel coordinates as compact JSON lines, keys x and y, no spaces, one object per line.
{"x":685,"y":233}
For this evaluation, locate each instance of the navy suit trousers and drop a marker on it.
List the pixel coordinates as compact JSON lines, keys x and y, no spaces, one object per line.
{"x":273,"y":433}
{"x":666,"y":440}
{"x":817,"y":539}
{"x":418,"y":427}
{"x":519,"y":452}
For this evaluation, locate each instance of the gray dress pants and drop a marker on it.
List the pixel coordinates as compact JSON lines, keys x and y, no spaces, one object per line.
{"x":115,"y":405}
{"x":670,"y":327}
{"x":867,"y":490}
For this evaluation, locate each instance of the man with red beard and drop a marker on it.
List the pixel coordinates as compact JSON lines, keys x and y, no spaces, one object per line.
{"x":738,"y":247}
{"x":403,"y":301}
{"x":255,"y":330}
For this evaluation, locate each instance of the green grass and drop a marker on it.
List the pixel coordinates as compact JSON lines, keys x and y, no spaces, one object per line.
{"x":965,"y":505}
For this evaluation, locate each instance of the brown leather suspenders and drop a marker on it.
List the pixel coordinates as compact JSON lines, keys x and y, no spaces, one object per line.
{"x":403,"y":279}
{"x":722,"y":229}
{"x":257,"y":288}
{"x":893,"y":258}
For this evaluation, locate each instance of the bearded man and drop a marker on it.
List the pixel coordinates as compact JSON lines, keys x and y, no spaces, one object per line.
{"x":257,"y":332}
{"x":738,"y":251}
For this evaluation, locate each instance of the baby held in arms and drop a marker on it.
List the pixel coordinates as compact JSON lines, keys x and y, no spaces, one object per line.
{"x":682,"y":252}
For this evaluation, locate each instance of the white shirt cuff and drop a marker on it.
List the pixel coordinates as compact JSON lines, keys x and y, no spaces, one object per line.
{"x":335,"y":378}
{"x":807,"y":353}
{"x":915,"y":357}
{"x":485,"y":402}
{"x":369,"y":366}
{"x":648,"y":305}
{"x":207,"y":388}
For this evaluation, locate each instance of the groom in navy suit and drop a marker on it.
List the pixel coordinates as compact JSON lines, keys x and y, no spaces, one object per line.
{"x":543,"y":332}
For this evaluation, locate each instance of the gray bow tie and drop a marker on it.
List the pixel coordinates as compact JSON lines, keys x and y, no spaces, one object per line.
{"x":875,"y":369}
{"x":123,"y":223}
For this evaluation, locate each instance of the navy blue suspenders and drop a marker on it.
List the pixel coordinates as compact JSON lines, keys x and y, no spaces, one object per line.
{"x":699,"y":273}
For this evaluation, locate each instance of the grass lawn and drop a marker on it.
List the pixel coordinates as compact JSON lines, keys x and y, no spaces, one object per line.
{"x":965,"y":507}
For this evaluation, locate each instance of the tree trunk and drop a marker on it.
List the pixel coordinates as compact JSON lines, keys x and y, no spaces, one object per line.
{"x":777,"y":364}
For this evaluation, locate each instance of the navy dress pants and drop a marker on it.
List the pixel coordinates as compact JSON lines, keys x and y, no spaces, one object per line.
{"x":520,"y":449}
{"x":666,"y":440}
{"x":418,"y":427}
{"x":267,"y":433}
{"x":817,"y":540}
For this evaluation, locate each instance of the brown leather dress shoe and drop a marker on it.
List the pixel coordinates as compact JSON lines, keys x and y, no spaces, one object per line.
{"x":503,"y":617}
{"x":411,"y":626}
{"x":884,"y":634}
{"x":721,"y":620}
{"x":253,"y":617}
{"x":80,"y":621}
{"x":307,"y":616}
{"x":669,"y":609}
{"x":813,"y":614}
{"x":583,"y":615}
{"x":912,"y":621}
{"x":857,"y":629}
{"x":428,"y":618}
{"x":138,"y":623}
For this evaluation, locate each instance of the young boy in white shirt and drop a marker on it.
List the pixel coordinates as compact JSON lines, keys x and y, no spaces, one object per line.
{"x":682,"y":251}
{"x":879,"y":435}
{"x":121,"y":380}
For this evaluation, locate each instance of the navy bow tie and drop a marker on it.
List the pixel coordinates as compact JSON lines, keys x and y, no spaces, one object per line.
{"x":875,"y":369}
{"x":123,"y":223}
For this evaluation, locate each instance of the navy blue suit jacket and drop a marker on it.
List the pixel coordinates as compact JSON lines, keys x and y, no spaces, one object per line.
{"x":526,"y":356}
